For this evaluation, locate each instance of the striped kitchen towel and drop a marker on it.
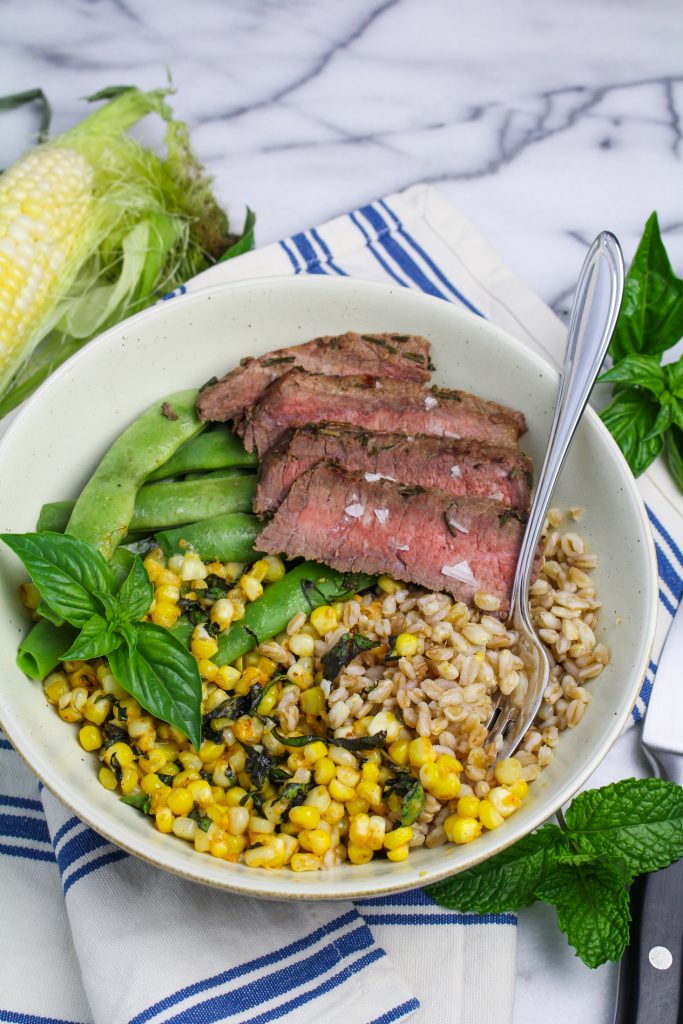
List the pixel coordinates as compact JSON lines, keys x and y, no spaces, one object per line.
{"x":88,"y":933}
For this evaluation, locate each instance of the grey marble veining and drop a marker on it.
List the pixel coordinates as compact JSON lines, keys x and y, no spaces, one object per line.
{"x":544,"y":122}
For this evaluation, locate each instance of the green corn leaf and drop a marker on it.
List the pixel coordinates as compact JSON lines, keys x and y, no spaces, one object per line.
{"x":21,"y":99}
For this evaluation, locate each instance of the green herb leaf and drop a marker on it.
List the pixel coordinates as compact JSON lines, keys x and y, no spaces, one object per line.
{"x":136,"y":594}
{"x":641,"y":370}
{"x":347,"y":647}
{"x":65,"y":570}
{"x":203,"y":820}
{"x":163,"y":677}
{"x":377,"y":740}
{"x":673,"y":373}
{"x":97,"y":638}
{"x":592,"y":907}
{"x":630,"y":418}
{"x":651,"y":317}
{"x":141,"y":801}
{"x":246,"y":242}
{"x":413,"y":804}
{"x":674,"y":454}
{"x":637,"y":821}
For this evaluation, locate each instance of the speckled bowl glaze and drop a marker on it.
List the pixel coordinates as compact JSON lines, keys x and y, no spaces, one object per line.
{"x":56,"y":441}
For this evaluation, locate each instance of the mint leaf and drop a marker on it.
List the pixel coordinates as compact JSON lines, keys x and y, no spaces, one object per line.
{"x":651,"y":317}
{"x":163,"y":677}
{"x":507,"y":881}
{"x":592,"y":907}
{"x":643,"y":371}
{"x":136,"y":594}
{"x":674,"y":454}
{"x":141,"y":801}
{"x":97,"y":638}
{"x":639,"y":821}
{"x":65,"y":570}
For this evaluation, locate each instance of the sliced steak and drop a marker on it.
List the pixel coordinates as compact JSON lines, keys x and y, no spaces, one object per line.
{"x":400,"y":356}
{"x":458,"y":545}
{"x":384,"y":406}
{"x":459,"y":467}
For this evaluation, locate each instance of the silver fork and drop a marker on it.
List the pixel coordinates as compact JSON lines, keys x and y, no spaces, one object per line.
{"x":593,"y":318}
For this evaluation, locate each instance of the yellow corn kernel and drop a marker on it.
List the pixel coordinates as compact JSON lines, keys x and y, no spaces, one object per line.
{"x":398,"y":837}
{"x":182,"y":778}
{"x":203,"y":644}
{"x":357,"y":806}
{"x":301,"y":645}
{"x":489,"y":816}
{"x":97,"y":708}
{"x":200,"y":792}
{"x":210,"y":751}
{"x":259,"y":570}
{"x":508,"y":771}
{"x":520,"y":789}
{"x":276,"y":568}
{"x":314,"y":752}
{"x":385,"y":721}
{"x":163,"y":819}
{"x":192,"y":568}
{"x":446,"y":787}
{"x":151,"y":782}
{"x":394,"y":803}
{"x":153,"y":761}
{"x":376,"y":832}
{"x":167,"y":592}
{"x":267,"y":666}
{"x":120,"y":753}
{"x":305,"y":815}
{"x":348,"y":776}
{"x":421,"y":751}
{"x":260,"y":856}
{"x":180,"y":801}
{"x":55,"y":686}
{"x":222,"y":613}
{"x":505,"y":802}
{"x":406,"y":645}
{"x":202,"y":841}
{"x":324,"y":771}
{"x":461,"y":830}
{"x":167,"y":577}
{"x":90,"y":737}
{"x":305,"y":862}
{"x":429,"y":775}
{"x":324,"y":619}
{"x":237,"y":820}
{"x":184,"y":828}
{"x":468,"y":807}
{"x":359,"y":829}
{"x":316,"y":840}
{"x":370,"y":791}
{"x":153,"y":568}
{"x":359,"y":854}
{"x":218,"y":848}
{"x":129,"y":779}
{"x":398,"y":751}
{"x":250,"y":587}
{"x":252,"y":675}
{"x":226,"y":677}
{"x":341,"y":792}
{"x":107,"y":778}
{"x":165,"y":614}
{"x":235,"y":845}
{"x":300,"y":674}
{"x":313,"y":701}
{"x":334,"y":813}
{"x":388,"y":585}
{"x":399,"y":853}
{"x":370,"y":771}
{"x":344,"y":757}
{"x":450,"y":764}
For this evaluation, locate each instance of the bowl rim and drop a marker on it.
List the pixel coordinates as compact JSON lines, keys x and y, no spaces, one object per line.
{"x":327,"y":891}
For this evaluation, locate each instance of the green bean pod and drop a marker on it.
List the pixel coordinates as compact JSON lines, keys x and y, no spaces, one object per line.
{"x":103,"y":512}
{"x":41,"y":651}
{"x":214,"y":449}
{"x":54,"y":516}
{"x":186,"y":501}
{"x":225,"y":538}
{"x":301,"y":590}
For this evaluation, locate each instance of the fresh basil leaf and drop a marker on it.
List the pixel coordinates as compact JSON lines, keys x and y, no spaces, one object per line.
{"x":141,"y":801}
{"x":413,"y":804}
{"x":347,"y":647}
{"x":664,"y":419}
{"x":651,"y":317}
{"x":507,"y":881}
{"x":163,"y":677}
{"x":641,"y":370}
{"x":46,"y":612}
{"x":107,"y":601}
{"x":257,"y":765}
{"x":97,"y":638}
{"x":246,"y":241}
{"x":136,"y":594}
{"x":674,"y":454}
{"x":639,"y":821}
{"x":378,"y":740}
{"x":674,"y":377}
{"x":592,"y":907}
{"x":129,"y":636}
{"x":65,"y":570}
{"x":630,"y":419}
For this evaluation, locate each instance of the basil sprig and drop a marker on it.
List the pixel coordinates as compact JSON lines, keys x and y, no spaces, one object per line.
{"x":78,"y":586}
{"x":646,"y":415}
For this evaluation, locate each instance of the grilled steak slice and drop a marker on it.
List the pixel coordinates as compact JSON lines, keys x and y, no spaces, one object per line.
{"x":385,"y":406}
{"x":401,"y":356}
{"x":458,"y":545}
{"x":460,"y":467}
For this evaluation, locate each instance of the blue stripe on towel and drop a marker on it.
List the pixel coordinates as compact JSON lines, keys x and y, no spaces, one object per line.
{"x":19,"y":826}
{"x":369,"y":243}
{"x":20,"y":801}
{"x":93,"y":865}
{"x":84,"y":842}
{"x":666,"y":535}
{"x":11,"y":1017}
{"x":397,"y":1012}
{"x":10,"y":850}
{"x":292,"y":258}
{"x":440,"y":919}
{"x":324,"y":247}
{"x":62,"y":831}
{"x":401,"y":256}
{"x":308,"y":253}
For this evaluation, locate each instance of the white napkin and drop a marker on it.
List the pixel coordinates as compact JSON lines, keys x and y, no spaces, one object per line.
{"x":93,"y":935}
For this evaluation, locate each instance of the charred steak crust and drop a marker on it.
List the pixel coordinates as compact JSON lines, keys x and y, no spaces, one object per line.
{"x":384,"y":406}
{"x":400,"y":356}
{"x":460,"y":467}
{"x":427,"y":537}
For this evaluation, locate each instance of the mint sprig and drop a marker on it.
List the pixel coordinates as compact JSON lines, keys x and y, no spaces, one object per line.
{"x":609,"y":836}
{"x":78,"y":586}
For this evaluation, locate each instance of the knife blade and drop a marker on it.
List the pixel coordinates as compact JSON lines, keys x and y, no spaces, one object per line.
{"x":651,"y":970}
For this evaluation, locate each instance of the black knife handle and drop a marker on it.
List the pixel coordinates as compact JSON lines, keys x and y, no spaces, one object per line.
{"x":649,"y":991}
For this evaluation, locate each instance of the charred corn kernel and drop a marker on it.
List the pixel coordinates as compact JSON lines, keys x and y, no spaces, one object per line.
{"x":129,"y":779}
{"x":448,"y":764}
{"x":385,"y":721}
{"x":334,"y":813}
{"x":388,"y":585}
{"x":180,"y":801}
{"x":377,"y":832}
{"x":235,"y":845}
{"x":68,"y":713}
{"x":167,"y":577}
{"x":370,"y":791}
{"x":421,"y":751}
{"x":111,"y":687}
{"x":119,"y":753}
{"x":348,"y":776}
{"x":248,"y":730}
{"x":165,"y":614}
{"x":468,"y":807}
{"x":237,"y":820}
{"x":314,"y":752}
{"x":252,"y":675}
{"x":151,"y":782}
{"x":520,"y":789}
{"x":152,"y":567}
{"x":140,"y":727}
{"x":189,"y":759}
{"x":29,"y":595}
{"x":505,"y":802}
{"x":163,"y":819}
{"x":359,"y":854}
{"x":340,"y":792}
{"x":83,"y":677}
{"x":489,"y":816}
{"x":210,"y":751}
{"x":203,"y":644}
{"x":508,"y":771}
{"x":184,"y":828}
{"x":300,"y":674}
{"x":167,"y":592}
{"x":296,"y":760}
{"x":90,"y":737}
{"x":107,"y":778}
{"x":398,"y":854}
{"x":357,"y":806}
{"x":55,"y":686}
{"x":324,"y":771}
{"x":305,"y":815}
{"x":267,"y":666}
{"x":318,"y":797}
{"x":222,"y":613}
{"x":200,"y":792}
{"x":301,"y":645}
{"x":259,"y":570}
{"x":276,"y":568}
{"x":305,"y":862}
{"x":406,"y":645}
{"x":153,"y":761}
{"x":359,"y":829}
{"x":251,"y":587}
{"x":398,"y":751}
{"x":398,"y":837}
{"x":324,"y":619}
{"x":312,"y":701}
{"x":461,"y":830}
{"x":192,"y":568}
{"x":182,"y":778}
{"x":316,"y":840}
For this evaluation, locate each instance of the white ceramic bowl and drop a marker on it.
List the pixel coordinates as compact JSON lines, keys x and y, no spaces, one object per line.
{"x":54,"y":444}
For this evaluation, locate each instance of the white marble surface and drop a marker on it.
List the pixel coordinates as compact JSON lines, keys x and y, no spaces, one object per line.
{"x":543,"y":122}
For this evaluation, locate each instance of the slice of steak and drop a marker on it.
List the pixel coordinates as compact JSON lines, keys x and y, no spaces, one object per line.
{"x":400,"y":356}
{"x":459,"y":467}
{"x":457,"y":545}
{"x":384,"y":406}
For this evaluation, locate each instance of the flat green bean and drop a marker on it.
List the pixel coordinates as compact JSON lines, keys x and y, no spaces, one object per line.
{"x":54,"y":516}
{"x":41,"y":651}
{"x":185,"y":501}
{"x":300,"y":590}
{"x":214,"y":449}
{"x":226,"y":538}
{"x":103,"y":512}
